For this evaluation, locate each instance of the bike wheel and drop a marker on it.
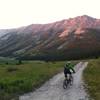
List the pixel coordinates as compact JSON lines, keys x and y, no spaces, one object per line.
{"x":65,"y":84}
{"x":71,"y":80}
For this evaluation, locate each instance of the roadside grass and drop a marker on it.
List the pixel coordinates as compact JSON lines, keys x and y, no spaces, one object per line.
{"x":92,"y":79}
{"x":18,"y":79}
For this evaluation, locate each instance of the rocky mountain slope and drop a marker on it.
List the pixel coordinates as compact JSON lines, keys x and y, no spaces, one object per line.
{"x":73,"y":38}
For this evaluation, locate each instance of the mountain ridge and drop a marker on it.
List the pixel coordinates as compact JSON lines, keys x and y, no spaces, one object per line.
{"x":67,"y":39}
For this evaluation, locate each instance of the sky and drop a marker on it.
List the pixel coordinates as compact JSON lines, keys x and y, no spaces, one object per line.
{"x":16,"y":13}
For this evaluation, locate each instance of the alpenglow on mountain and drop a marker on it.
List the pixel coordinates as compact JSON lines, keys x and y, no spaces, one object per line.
{"x":73,"y":38}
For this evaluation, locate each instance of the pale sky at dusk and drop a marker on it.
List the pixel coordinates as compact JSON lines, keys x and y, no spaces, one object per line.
{"x":16,"y":13}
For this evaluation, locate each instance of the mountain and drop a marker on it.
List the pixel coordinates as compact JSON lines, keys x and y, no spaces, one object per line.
{"x":72,"y":38}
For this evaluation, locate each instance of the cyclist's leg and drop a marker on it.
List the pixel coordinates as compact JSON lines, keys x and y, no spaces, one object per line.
{"x":65,"y":81}
{"x":65,"y":75}
{"x":66,"y":78}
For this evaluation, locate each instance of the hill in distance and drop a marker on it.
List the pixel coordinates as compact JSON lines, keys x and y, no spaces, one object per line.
{"x":72,"y":38}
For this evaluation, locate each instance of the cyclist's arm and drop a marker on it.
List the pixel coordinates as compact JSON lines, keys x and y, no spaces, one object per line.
{"x":72,"y":68}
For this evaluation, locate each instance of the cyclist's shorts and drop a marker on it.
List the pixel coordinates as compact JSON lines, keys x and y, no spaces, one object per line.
{"x":67,"y":74}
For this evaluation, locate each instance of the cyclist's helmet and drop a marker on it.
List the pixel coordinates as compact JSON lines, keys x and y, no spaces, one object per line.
{"x":67,"y":64}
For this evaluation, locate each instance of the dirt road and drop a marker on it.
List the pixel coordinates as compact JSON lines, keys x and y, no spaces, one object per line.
{"x":53,"y":90}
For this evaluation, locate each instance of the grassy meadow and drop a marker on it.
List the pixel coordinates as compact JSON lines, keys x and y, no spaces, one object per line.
{"x":18,"y":78}
{"x":92,"y":79}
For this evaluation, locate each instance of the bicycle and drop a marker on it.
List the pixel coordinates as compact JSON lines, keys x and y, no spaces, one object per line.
{"x":68,"y":81}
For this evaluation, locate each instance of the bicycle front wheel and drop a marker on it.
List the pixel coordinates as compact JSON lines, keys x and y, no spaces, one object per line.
{"x":71,"y":80}
{"x":65,"y":84}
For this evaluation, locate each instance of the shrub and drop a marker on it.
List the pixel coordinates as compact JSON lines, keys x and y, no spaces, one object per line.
{"x":12,"y":69}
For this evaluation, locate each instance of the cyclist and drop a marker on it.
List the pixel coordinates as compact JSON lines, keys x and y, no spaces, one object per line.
{"x":68,"y":69}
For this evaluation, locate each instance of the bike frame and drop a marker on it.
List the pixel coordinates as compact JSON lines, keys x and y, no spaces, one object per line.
{"x":68,"y":81}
